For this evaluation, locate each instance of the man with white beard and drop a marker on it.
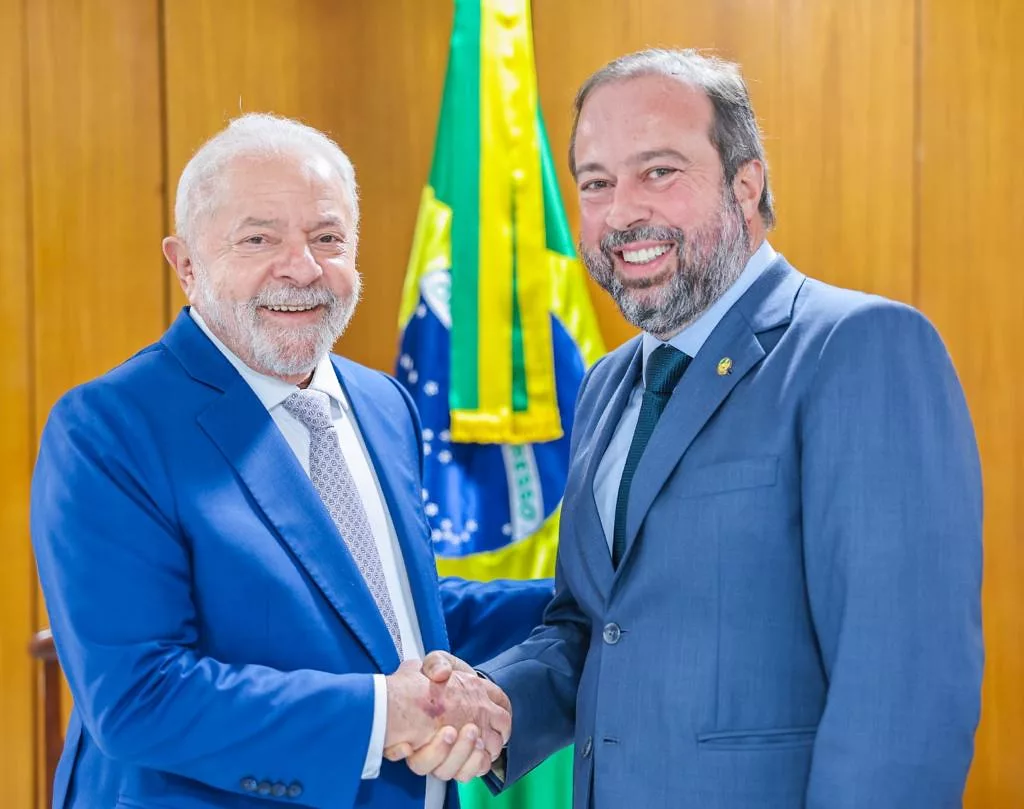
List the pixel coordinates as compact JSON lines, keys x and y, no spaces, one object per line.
{"x":229,"y":527}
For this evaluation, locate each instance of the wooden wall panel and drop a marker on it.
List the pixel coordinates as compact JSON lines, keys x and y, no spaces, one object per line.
{"x":96,"y":171}
{"x":97,"y":186}
{"x":841,"y":140}
{"x":370,"y":75}
{"x":972,"y":287}
{"x":17,"y":575}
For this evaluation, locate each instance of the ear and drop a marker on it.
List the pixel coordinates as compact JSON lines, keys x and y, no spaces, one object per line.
{"x":747,"y":185}
{"x":178,"y":255}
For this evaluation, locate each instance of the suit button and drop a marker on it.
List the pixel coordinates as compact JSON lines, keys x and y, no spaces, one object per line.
{"x":264,"y":788}
{"x":588,"y":746}
{"x":279,"y":790}
{"x":294,"y":789}
{"x":611,"y":634}
{"x":249,"y":784}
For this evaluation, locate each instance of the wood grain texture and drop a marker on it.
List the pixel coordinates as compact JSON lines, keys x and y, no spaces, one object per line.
{"x":17,"y":574}
{"x":841,"y":132}
{"x":96,"y":172}
{"x":971,"y":286}
{"x":97,"y":182}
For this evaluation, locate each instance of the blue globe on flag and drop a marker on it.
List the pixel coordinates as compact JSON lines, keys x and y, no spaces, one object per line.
{"x":480,"y":497}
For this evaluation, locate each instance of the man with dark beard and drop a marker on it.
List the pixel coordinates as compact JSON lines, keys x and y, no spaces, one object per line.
{"x":230,"y":532}
{"x":768,"y":583}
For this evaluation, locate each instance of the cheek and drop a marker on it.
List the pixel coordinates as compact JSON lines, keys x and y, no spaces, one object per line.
{"x":341,"y":277}
{"x":238,"y":281}
{"x":690,"y":211}
{"x":592,"y":226}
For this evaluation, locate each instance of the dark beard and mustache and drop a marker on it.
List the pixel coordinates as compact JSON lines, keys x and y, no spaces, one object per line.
{"x":707,"y":263}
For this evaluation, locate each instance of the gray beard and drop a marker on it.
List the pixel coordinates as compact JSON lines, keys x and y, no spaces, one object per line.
{"x":707,"y":264}
{"x":275,"y":350}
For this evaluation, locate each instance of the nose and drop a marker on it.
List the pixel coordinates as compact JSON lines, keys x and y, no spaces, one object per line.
{"x":628,"y":209}
{"x":299,"y":266}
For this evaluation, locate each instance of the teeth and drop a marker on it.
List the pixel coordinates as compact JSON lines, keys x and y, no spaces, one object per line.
{"x":645,"y":255}
{"x":290,"y":308}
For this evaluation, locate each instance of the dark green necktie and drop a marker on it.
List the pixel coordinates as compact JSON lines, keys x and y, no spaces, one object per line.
{"x":665,"y":366}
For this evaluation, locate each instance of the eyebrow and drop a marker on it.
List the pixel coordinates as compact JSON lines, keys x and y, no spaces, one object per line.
{"x":256,"y":222}
{"x":329,"y":222}
{"x":655,"y":154}
{"x":641,"y":157}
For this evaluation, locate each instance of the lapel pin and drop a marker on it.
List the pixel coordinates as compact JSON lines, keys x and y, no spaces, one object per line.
{"x":724,"y":366}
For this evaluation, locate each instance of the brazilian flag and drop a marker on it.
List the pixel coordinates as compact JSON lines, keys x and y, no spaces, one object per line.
{"x":497,"y":329}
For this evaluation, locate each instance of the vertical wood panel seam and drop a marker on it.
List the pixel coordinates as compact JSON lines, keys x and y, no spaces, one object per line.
{"x":918,"y":156}
{"x":31,"y":421}
{"x":161,"y":45}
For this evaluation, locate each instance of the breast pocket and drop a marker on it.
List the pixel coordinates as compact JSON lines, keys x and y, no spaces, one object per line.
{"x":729,"y":476}
{"x":777,"y":738}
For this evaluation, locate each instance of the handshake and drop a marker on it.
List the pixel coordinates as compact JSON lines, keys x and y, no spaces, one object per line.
{"x":444,"y":719}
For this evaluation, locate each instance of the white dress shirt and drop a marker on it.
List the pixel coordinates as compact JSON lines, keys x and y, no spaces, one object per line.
{"x":272,"y":392}
{"x":689,"y":341}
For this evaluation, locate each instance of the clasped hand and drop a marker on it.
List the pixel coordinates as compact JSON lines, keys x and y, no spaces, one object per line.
{"x":444,"y":719}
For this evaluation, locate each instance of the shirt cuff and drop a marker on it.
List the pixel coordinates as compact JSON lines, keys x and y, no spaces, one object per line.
{"x":499,"y":768}
{"x":375,"y":750}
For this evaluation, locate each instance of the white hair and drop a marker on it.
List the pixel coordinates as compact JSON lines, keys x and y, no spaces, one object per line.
{"x":255,"y":134}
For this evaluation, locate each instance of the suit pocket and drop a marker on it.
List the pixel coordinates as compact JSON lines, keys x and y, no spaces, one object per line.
{"x":774,"y":739}
{"x":729,"y":476}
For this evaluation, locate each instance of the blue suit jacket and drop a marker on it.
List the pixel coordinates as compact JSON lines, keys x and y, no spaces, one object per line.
{"x":796,"y":620}
{"x":211,"y":623}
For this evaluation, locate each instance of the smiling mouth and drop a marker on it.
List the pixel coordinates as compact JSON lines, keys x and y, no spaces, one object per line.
{"x":304,"y":308}
{"x":644,"y":255}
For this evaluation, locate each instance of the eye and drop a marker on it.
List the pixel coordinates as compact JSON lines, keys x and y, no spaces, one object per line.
{"x":257,"y":239}
{"x":329,"y":238}
{"x":661,"y":171}
{"x":594,"y":185}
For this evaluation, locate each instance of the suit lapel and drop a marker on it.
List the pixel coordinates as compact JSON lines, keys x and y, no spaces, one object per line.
{"x":620,"y":380}
{"x":401,"y":487}
{"x":703,"y":388}
{"x":239,"y":424}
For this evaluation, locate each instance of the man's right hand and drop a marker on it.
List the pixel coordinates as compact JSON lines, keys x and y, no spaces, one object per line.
{"x":452,"y":697}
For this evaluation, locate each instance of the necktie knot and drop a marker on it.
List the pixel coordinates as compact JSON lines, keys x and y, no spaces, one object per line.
{"x":312,"y":408}
{"x":665,"y":367}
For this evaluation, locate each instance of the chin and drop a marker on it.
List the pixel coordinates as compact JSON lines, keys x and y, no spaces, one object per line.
{"x":289,"y":367}
{"x":647,"y":298}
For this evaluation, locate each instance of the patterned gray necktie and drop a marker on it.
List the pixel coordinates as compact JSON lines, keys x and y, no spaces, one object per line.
{"x":334,"y":483}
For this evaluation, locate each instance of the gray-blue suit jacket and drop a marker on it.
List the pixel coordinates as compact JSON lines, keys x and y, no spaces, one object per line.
{"x":796,"y":621}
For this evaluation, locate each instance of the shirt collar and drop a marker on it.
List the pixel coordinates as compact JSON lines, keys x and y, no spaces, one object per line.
{"x":692,"y":338}
{"x":272,"y":391}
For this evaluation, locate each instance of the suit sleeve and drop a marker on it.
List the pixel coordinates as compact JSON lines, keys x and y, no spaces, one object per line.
{"x":483,"y":619}
{"x":115,"y":571}
{"x":892,"y":513}
{"x":541,"y":677}
{"x":542,"y":674}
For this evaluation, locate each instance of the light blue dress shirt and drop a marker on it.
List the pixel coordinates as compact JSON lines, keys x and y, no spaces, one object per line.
{"x":689,"y":340}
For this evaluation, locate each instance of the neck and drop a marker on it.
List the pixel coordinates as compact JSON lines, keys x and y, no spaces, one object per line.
{"x":304,"y":382}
